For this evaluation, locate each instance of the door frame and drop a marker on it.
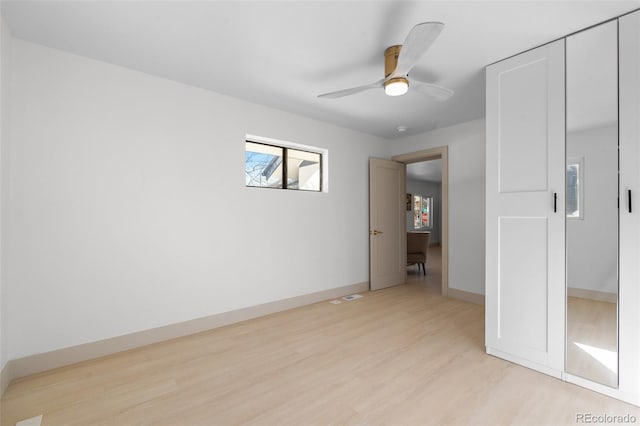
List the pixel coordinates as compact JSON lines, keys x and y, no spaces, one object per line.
{"x":439,"y":153}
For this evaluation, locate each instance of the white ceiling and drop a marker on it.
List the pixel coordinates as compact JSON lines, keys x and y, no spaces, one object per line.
{"x":283,"y":54}
{"x":430,"y":171}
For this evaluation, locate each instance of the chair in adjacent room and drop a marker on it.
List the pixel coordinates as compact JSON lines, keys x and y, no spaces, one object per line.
{"x":417,"y":248}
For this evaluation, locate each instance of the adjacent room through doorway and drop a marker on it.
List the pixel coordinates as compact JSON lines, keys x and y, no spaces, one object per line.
{"x":424,"y":223}
{"x":427,"y":175}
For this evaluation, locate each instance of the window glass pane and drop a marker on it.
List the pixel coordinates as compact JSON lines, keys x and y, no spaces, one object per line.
{"x":263,"y":165}
{"x":426,"y":212}
{"x":303,"y":170}
{"x":422,"y":207}
{"x":417,"y":206}
{"x":573,"y":190}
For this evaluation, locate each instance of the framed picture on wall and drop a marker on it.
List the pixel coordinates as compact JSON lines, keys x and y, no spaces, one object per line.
{"x":408,"y":207}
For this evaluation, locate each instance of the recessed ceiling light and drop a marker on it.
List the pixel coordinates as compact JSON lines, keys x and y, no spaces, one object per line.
{"x":402,"y":128}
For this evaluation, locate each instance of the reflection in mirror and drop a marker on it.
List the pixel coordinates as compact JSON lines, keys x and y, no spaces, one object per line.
{"x":591,"y":204}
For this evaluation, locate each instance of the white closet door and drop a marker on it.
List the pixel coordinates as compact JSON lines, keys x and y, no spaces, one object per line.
{"x":629,"y":297}
{"x":525,"y":224}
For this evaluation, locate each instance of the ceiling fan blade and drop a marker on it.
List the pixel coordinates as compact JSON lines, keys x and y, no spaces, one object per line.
{"x":434,"y":91}
{"x":418,"y":41}
{"x":353,"y":90}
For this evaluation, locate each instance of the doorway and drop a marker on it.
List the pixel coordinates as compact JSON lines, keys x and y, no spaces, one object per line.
{"x":423,"y":222}
{"x":440,"y":153}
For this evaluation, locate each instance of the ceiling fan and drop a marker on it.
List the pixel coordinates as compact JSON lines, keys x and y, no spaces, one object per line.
{"x":398,"y":61}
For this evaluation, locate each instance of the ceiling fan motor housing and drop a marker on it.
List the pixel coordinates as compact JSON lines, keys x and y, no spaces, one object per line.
{"x":391,"y":59}
{"x":390,"y":62}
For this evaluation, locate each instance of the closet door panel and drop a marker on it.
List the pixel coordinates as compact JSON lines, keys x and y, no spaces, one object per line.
{"x":525,"y":209}
{"x":629,"y":122}
{"x":522,"y":158}
{"x":592,"y":204}
{"x":523,"y":282}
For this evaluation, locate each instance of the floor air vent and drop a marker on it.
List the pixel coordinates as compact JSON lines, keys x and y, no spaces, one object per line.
{"x":351,"y":297}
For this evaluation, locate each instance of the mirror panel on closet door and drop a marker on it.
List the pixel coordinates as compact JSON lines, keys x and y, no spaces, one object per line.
{"x":592,"y":204}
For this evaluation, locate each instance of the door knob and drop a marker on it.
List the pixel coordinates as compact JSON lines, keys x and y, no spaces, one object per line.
{"x":375,"y":232}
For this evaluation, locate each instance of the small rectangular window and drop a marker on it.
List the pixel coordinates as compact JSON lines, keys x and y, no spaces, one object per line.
{"x":271,"y":166}
{"x":422,"y":208}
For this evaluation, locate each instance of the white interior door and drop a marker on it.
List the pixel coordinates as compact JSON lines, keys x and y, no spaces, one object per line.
{"x":387,"y":234}
{"x":525,"y":223}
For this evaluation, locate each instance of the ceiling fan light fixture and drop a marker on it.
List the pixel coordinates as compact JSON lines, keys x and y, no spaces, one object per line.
{"x":396,"y":86}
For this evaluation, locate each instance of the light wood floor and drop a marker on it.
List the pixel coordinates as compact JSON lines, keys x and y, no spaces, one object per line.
{"x":403,"y":355}
{"x":432,"y":281}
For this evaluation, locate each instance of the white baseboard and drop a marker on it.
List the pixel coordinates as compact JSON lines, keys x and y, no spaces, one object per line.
{"x":525,"y":363}
{"x":466,"y":296}
{"x":599,"y":296}
{"x":21,"y":367}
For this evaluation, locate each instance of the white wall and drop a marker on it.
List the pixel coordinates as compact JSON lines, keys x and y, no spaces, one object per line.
{"x":129,"y":211}
{"x":466,"y":144}
{"x":592,"y":242}
{"x":427,"y":189}
{"x":5,"y":49}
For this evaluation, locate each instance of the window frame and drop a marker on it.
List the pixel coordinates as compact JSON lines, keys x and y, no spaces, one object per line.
{"x":285,"y":147}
